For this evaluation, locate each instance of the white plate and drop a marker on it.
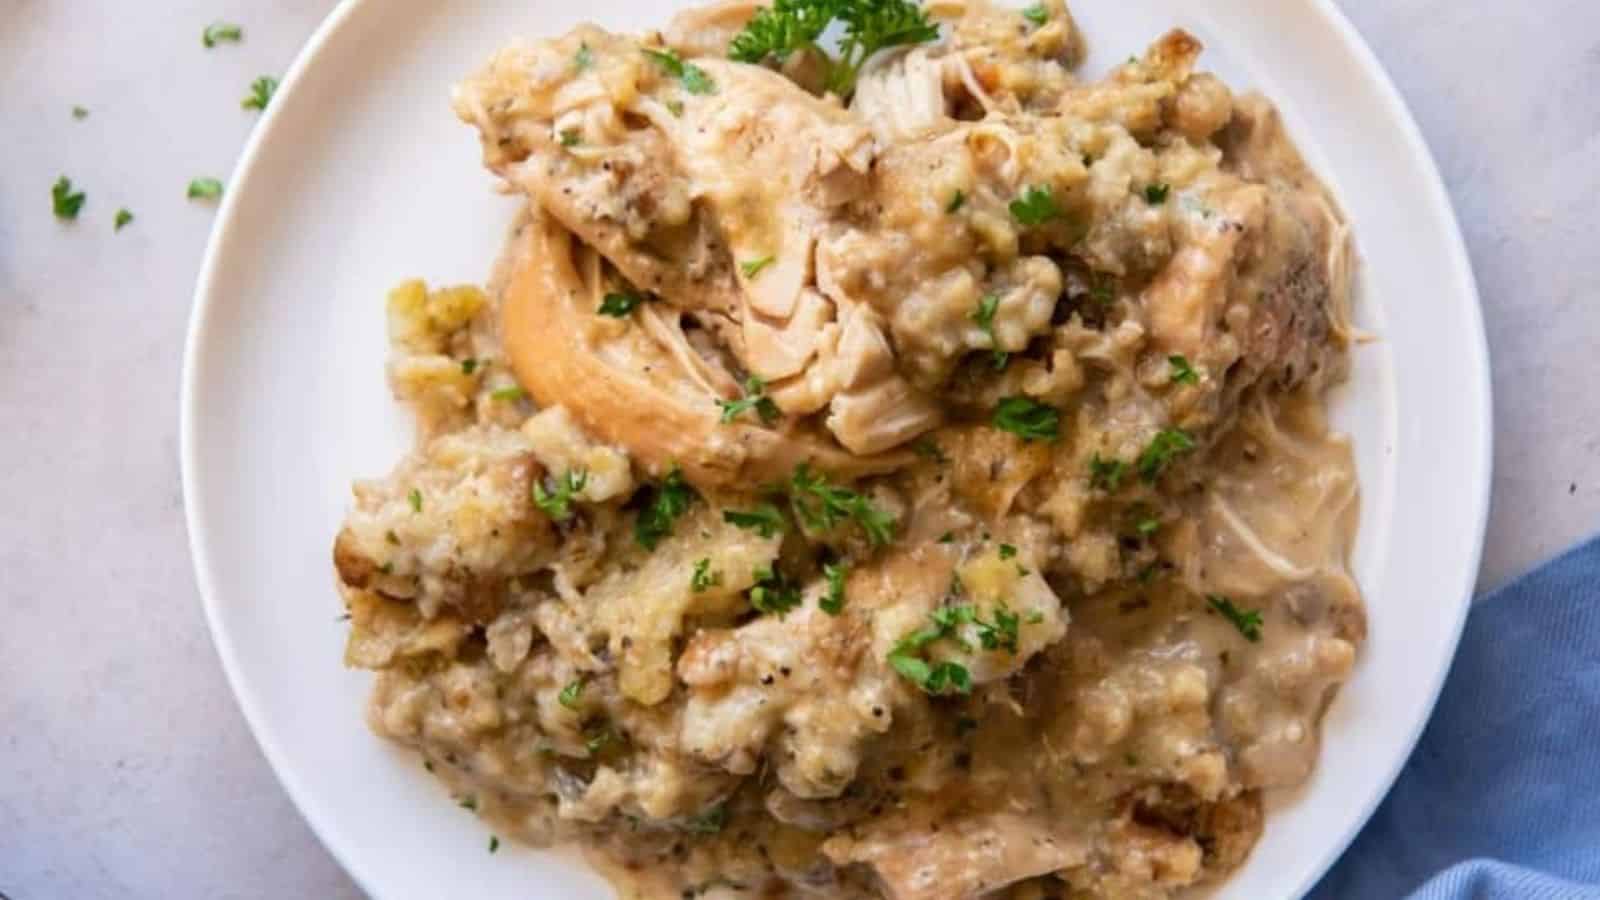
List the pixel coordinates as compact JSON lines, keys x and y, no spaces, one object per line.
{"x":360,"y":176}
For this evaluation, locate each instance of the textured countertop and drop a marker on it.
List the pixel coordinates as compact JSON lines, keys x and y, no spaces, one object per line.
{"x":125,"y":767}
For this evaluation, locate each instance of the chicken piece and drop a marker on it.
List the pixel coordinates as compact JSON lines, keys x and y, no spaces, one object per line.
{"x":659,"y":179}
{"x":930,"y":857}
{"x":626,"y":389}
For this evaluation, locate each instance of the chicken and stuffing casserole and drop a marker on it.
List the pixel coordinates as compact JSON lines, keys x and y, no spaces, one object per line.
{"x":882,"y":463}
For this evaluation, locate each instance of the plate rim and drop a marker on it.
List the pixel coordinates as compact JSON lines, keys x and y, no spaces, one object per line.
{"x":203,"y":300}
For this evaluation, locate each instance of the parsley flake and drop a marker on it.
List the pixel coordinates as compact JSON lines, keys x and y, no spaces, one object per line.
{"x":221,"y":31}
{"x":557,"y":503}
{"x":507,"y":394}
{"x":468,"y":366}
{"x":1167,"y":444}
{"x":205,"y":189}
{"x":709,"y":822}
{"x":752,"y":267}
{"x":1182,"y":372}
{"x":1248,"y":621}
{"x":494,"y":843}
{"x":754,"y":398}
{"x":619,"y":304}
{"x":765,"y":520}
{"x":570,"y":137}
{"x":1036,"y":206}
{"x":1036,"y":14}
{"x":664,"y":505}
{"x":693,"y":78}
{"x":984,"y":316}
{"x":821,"y":507}
{"x":261,"y":91}
{"x":1156,"y":194}
{"x":123,"y":218}
{"x":1028,"y":419}
{"x":832,"y":602}
{"x":772,"y":594}
{"x":80,"y":112}
{"x":957,"y":201}
{"x":415,"y":499}
{"x":1106,"y":474}
{"x":703,"y":579}
{"x":584,"y":58}
{"x":571,"y":693}
{"x":64,"y":200}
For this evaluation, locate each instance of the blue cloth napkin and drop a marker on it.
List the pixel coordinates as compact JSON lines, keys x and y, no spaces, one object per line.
{"x":1501,"y":799}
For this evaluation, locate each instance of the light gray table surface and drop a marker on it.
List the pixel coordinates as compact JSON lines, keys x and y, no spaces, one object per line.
{"x":125,"y":768}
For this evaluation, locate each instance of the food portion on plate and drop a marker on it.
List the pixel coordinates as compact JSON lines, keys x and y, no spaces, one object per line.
{"x":883,"y":463}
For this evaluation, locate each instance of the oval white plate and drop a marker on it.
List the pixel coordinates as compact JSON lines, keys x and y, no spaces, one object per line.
{"x":360,"y":176}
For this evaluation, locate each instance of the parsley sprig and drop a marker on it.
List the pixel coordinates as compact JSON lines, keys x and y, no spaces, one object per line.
{"x":1036,"y":206}
{"x":1028,"y":419}
{"x":693,"y":78}
{"x":755,"y":398}
{"x":984,"y":316}
{"x":664,"y":504}
{"x":64,"y":200}
{"x":1248,"y":621}
{"x":1163,"y":448}
{"x":765,"y":519}
{"x":788,"y":26}
{"x":261,"y":91}
{"x":557,"y":504}
{"x":822,"y":507}
{"x":773,"y":594}
{"x":832,"y":602}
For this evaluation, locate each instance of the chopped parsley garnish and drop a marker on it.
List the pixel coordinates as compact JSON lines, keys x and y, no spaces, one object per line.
{"x":557,"y":504}
{"x":570,"y":137}
{"x":468,"y":366}
{"x":752,"y":267}
{"x":1002,"y":633}
{"x":619,"y":304}
{"x":221,"y":31}
{"x":821,"y":506}
{"x":832,"y":602}
{"x":943,"y":624}
{"x":494,"y":843}
{"x":584,"y":58}
{"x":64,"y":201}
{"x":949,"y":537}
{"x":261,"y":91}
{"x":80,"y":112}
{"x":1028,"y":419}
{"x":703,"y":578}
{"x":391,"y":537}
{"x":772,"y":594}
{"x":123,"y":218}
{"x":1156,"y":194}
{"x":469,"y":802}
{"x":957,"y":201}
{"x":1036,"y":206}
{"x":1182,"y":372}
{"x":665,"y":504}
{"x":1168,"y":443}
{"x":709,"y":822}
{"x":205,"y":189}
{"x":754,"y":398}
{"x":765,"y":520}
{"x":984,"y":316}
{"x":693,"y":78}
{"x":1007,"y":551}
{"x":675,"y":107}
{"x":1147,"y":526}
{"x":1036,"y":14}
{"x":1106,"y":474}
{"x":1248,"y":621}
{"x":788,"y":26}
{"x":415,"y":499}
{"x":506,"y":394}
{"x":569,"y":695}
